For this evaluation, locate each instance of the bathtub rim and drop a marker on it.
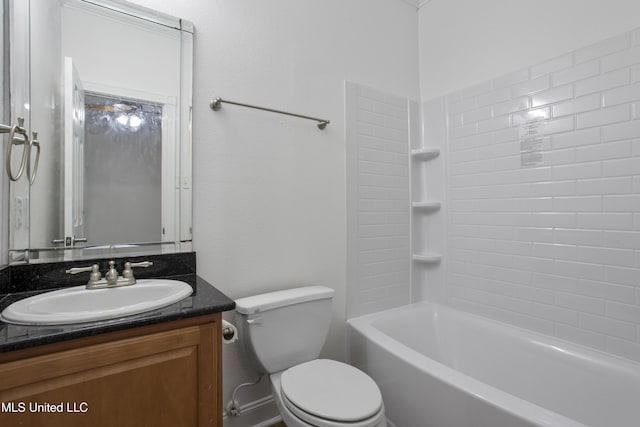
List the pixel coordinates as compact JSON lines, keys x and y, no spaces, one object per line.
{"x":493,"y":396}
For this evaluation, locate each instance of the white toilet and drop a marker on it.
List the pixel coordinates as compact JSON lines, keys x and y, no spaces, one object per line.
{"x":282,"y":333}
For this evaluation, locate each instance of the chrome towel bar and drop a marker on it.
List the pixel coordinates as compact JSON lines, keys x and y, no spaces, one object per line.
{"x":215,"y":105}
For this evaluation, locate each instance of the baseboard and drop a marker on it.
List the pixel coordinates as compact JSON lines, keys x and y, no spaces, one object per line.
{"x":259,"y":413}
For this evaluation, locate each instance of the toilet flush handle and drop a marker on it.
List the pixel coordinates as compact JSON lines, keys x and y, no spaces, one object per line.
{"x":255,"y":320}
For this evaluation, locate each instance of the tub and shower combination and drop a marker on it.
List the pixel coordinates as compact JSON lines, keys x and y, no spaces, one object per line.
{"x":440,"y":367}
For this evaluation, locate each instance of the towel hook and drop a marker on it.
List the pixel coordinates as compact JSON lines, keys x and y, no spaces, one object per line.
{"x":19,"y":129}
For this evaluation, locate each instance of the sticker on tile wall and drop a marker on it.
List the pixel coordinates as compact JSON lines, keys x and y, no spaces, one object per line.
{"x":530,"y":144}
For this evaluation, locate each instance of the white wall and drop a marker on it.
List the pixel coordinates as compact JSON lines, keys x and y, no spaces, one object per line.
{"x":269,"y":197}
{"x":463,"y":42}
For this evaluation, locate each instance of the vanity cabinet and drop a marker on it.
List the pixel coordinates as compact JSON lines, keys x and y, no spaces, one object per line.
{"x":167,"y":374}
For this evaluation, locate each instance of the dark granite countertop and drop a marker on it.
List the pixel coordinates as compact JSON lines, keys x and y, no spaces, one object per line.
{"x":206,"y":299}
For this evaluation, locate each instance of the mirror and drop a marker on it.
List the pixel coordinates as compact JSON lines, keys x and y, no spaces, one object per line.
{"x":107,"y":85}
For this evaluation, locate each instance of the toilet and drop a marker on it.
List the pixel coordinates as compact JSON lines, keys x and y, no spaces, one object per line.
{"x":282,"y":334}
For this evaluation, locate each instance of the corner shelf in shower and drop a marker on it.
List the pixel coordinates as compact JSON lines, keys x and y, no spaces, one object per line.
{"x":424,"y":154}
{"x":427,"y":258}
{"x":426,"y":206}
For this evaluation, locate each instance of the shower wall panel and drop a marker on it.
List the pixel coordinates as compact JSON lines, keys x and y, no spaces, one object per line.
{"x":378,"y":206}
{"x":543,"y":197}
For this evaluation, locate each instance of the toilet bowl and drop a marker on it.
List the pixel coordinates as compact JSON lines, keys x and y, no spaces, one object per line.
{"x":327,"y":393}
{"x":282,"y":334}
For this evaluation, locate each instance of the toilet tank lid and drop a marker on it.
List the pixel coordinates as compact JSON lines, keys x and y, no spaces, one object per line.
{"x":271,"y":300}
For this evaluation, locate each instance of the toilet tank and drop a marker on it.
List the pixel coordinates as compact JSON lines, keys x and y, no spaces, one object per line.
{"x":281,"y":329}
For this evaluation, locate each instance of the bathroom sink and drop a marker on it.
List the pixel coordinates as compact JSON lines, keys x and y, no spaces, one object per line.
{"x":79,"y":304}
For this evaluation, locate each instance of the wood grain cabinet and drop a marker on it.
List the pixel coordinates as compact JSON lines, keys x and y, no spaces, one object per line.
{"x":167,"y":374}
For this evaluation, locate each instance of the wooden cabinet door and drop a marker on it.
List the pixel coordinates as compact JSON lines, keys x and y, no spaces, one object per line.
{"x":163,"y":379}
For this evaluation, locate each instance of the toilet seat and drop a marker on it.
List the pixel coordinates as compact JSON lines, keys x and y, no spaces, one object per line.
{"x":327,"y":393}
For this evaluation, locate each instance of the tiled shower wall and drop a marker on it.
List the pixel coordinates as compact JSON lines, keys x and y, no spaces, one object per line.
{"x":543,"y":197}
{"x":378,"y":206}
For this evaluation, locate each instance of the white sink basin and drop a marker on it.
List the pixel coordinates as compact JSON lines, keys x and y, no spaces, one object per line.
{"x":78,"y":304}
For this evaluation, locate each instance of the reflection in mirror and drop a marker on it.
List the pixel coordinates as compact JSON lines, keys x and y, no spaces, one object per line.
{"x":110,"y":95}
{"x":132,"y":128}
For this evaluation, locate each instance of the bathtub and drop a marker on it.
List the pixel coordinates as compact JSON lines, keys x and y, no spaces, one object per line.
{"x":440,"y":367}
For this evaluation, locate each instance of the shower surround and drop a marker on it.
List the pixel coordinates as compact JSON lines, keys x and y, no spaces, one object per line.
{"x":538,"y":175}
{"x":543,"y":196}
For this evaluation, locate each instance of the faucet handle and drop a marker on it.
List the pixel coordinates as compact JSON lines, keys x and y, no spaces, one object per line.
{"x":94,"y":269}
{"x":128,"y":267}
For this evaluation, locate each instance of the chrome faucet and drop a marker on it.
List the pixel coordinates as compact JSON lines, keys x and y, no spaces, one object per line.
{"x":112,"y":279}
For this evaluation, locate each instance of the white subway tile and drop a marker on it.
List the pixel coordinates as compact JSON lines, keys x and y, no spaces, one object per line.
{"x":577,"y":236}
{"x":493,"y":124}
{"x":621,"y":311}
{"x":577,"y":171}
{"x":554,"y":250}
{"x":617,"y":185}
{"x":555,"y":219}
{"x":636,"y":37}
{"x":605,"y":116}
{"x":626,"y":130}
{"x":579,"y":270}
{"x":511,"y":106}
{"x":529,"y":87}
{"x":576,"y":139}
{"x":622,"y":59}
{"x":530,"y":115}
{"x":608,"y":326}
{"x":511,"y":78}
{"x":622,"y":203}
{"x":560,"y":241}
{"x":612,"y":150}
{"x":577,"y":204}
{"x":482,"y":113}
{"x":621,"y":95}
{"x":548,"y":127}
{"x":557,"y":314}
{"x":559,"y":157}
{"x":462,"y":131}
{"x":621,"y":275}
{"x":603,"y":82}
{"x":608,"y":256}
{"x":553,"y":188}
{"x":395,"y":123}
{"x":580,"y":303}
{"x":372,"y":94}
{"x":605,"y":221}
{"x":605,"y":47}
{"x":574,"y":74}
{"x":551,"y":96}
{"x":578,"y":105}
{"x":604,"y":290}
{"x":555,"y":64}
{"x":621,"y":239}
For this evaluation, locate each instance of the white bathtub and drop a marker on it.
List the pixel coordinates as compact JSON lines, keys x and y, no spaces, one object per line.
{"x":439,"y":367}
